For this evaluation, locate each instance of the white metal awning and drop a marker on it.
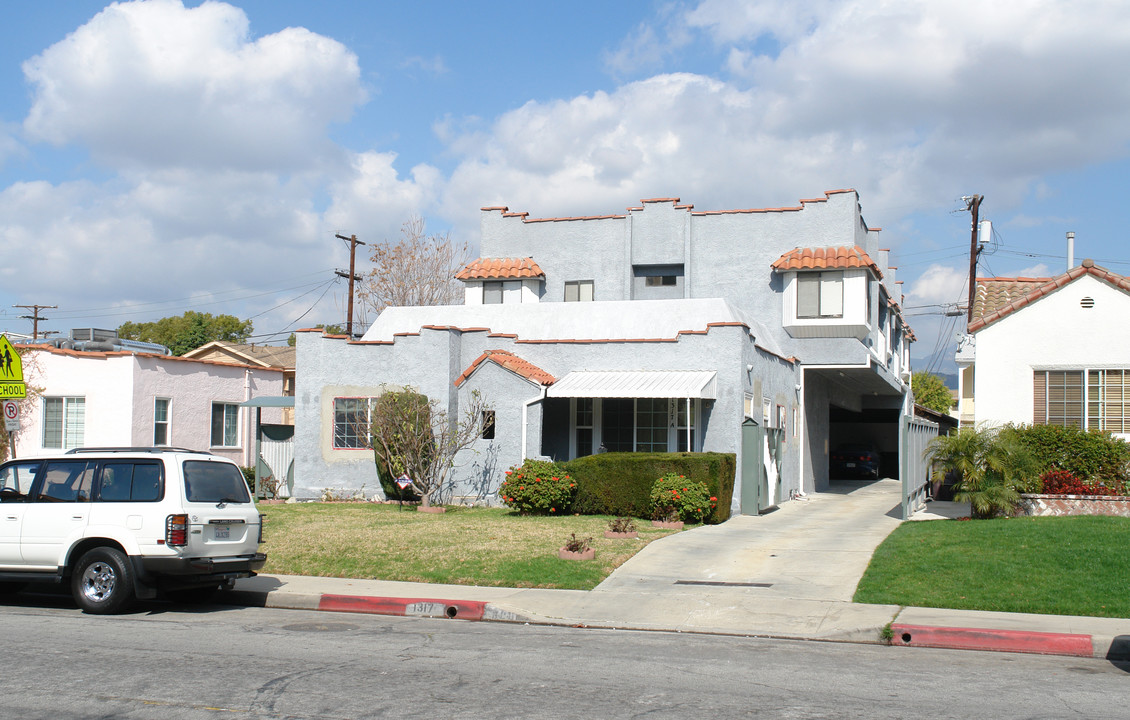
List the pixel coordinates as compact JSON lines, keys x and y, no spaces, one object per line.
{"x":636,"y":384}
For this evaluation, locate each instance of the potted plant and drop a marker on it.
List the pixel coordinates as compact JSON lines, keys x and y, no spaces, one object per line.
{"x":577,"y":549}
{"x":621,"y":527}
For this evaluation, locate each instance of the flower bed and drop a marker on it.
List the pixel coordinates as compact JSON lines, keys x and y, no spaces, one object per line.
{"x":1063,"y":505}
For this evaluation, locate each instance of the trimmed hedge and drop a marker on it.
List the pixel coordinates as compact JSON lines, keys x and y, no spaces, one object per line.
{"x":620,"y":483}
{"x":1090,"y":455}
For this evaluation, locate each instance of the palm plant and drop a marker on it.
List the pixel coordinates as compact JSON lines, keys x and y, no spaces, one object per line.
{"x":994,"y":468}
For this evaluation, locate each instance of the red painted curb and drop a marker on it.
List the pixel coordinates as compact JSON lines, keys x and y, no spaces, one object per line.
{"x":422,"y":607}
{"x":1022,"y":641}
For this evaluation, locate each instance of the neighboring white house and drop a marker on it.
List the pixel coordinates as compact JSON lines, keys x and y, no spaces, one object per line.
{"x":1049,"y":351}
{"x":121,"y":398}
{"x":663,"y":328}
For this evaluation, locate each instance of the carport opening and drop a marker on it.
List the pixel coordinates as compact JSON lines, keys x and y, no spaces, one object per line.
{"x":874,"y":428}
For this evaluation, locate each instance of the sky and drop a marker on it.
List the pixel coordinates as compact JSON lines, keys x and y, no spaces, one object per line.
{"x":162,"y":156}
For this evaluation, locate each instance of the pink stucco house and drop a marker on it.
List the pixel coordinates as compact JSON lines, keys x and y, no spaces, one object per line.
{"x":122,"y":398}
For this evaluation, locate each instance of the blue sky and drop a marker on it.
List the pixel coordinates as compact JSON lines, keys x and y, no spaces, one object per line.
{"x":160,"y":156}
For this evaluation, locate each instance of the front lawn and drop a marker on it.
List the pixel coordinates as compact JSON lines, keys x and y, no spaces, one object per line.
{"x":464,"y":546}
{"x":1050,"y":565}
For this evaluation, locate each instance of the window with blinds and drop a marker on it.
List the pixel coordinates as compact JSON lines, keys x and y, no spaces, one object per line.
{"x":1058,"y":399}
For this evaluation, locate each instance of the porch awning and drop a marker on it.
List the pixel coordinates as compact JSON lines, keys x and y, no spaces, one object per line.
{"x":636,"y":384}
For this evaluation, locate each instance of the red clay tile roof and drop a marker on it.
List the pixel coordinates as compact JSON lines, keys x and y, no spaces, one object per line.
{"x":826,"y":258}
{"x":998,"y":297}
{"x":489,"y":268}
{"x":511,"y":362}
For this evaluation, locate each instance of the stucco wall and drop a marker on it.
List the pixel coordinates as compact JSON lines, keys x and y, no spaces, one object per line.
{"x":1055,"y":332}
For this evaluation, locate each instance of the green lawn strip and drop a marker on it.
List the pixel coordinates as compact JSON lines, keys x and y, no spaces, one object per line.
{"x":464,"y":546}
{"x":1048,"y":565}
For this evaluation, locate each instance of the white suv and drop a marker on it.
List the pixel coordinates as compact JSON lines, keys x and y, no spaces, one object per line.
{"x":125,"y":523}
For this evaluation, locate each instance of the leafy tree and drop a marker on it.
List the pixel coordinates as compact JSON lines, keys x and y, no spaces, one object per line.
{"x":930,"y":391}
{"x":994,"y":468}
{"x":187,"y":332}
{"x":418,"y":270}
{"x":410,"y":435}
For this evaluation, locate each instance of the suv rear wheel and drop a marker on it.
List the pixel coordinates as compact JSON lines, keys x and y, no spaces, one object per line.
{"x":102,"y":581}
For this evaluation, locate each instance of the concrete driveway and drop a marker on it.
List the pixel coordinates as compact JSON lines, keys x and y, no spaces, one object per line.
{"x":815,"y":548}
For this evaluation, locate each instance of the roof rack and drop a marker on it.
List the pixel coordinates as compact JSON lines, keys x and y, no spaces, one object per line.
{"x":162,"y":449}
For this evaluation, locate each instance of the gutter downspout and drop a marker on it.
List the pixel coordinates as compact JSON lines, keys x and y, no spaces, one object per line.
{"x":525,"y":415}
{"x":246,"y":418}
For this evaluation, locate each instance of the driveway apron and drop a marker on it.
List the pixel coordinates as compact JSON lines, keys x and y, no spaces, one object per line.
{"x":814,"y":548}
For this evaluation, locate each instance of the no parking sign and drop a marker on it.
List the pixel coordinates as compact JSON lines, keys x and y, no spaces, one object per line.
{"x":11,"y":416}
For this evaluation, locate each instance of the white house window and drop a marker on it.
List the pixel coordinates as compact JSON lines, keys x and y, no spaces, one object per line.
{"x":1092,"y":399}
{"x":225,"y":425}
{"x":351,"y":422}
{"x":820,"y":295}
{"x":634,"y":425}
{"x":64,"y":422}
{"x":492,"y":292}
{"x":578,"y":291}
{"x":161,"y":421}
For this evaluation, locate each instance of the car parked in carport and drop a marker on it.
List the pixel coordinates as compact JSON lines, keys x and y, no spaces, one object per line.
{"x":854,"y":460}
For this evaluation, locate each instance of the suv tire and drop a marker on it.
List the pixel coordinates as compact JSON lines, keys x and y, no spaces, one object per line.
{"x":102,"y":581}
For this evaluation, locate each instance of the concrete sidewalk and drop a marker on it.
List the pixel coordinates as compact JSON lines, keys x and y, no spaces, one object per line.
{"x":790,"y":573}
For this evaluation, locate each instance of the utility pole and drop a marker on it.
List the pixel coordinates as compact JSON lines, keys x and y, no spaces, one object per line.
{"x":34,"y":317}
{"x":973,"y":205}
{"x":353,"y":243}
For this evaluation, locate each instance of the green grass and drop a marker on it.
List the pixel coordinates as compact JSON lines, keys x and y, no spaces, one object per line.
{"x":464,"y":546}
{"x":1049,"y":565}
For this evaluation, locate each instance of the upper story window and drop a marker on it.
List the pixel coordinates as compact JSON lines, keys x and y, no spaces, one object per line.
{"x":160,"y":421}
{"x":492,"y":292}
{"x":820,"y":295}
{"x":654,"y":282}
{"x":578,"y":291}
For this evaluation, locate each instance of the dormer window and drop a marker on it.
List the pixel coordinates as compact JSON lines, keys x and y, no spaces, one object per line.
{"x":820,"y":294}
{"x":492,"y":292}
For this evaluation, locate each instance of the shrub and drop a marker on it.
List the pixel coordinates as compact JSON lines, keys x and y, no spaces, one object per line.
{"x":537,"y":487}
{"x":1090,"y":455}
{"x":1062,"y":482}
{"x":620,"y":483}
{"x":622,"y":525}
{"x":673,"y":496}
{"x":576,"y":544}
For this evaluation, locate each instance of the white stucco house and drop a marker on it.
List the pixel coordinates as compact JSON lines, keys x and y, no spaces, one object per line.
{"x":662,"y":328}
{"x":1048,"y":351}
{"x":120,"y":398}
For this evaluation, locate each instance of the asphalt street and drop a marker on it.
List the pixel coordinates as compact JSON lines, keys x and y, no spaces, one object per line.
{"x":166,"y":661}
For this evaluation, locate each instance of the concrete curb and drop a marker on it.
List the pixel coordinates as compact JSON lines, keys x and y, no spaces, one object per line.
{"x":1018,"y":641}
{"x":1113,"y":648}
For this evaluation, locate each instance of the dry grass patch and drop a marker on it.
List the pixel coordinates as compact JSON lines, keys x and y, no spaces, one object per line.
{"x":464,"y":546}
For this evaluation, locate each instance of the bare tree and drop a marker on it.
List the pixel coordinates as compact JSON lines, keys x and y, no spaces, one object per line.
{"x":418,"y":270}
{"x":411,"y":436}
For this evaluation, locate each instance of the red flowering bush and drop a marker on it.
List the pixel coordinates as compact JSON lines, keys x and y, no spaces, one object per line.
{"x":537,"y":487}
{"x":675,"y":497}
{"x":1063,"y":482}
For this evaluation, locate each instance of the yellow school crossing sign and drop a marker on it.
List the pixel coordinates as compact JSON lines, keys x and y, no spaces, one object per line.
{"x":11,"y":371}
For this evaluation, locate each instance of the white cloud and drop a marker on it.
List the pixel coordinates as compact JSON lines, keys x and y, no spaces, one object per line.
{"x":939,"y":285}
{"x":152,"y":84}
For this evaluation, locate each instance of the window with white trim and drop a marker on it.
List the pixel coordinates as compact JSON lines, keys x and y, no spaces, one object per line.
{"x":64,"y":422}
{"x":352,"y":417}
{"x":161,"y":421}
{"x":578,"y":290}
{"x":1094,"y":399}
{"x":820,"y":295}
{"x":492,"y":292}
{"x":225,"y":425}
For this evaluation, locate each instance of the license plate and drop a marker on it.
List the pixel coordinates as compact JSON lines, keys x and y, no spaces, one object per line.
{"x":849,"y":464}
{"x":223,"y":533}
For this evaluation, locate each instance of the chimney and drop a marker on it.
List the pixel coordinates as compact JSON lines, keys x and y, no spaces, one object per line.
{"x":1070,"y":249}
